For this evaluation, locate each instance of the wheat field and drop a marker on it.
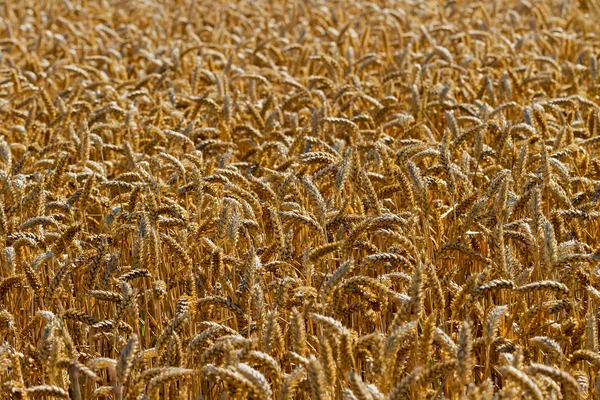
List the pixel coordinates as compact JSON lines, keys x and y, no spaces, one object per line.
{"x":299,"y":199}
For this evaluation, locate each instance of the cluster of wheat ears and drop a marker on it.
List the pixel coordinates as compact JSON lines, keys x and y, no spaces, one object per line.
{"x":307,"y":199}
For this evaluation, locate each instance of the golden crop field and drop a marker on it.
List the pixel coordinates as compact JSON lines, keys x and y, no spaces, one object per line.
{"x":308,"y":199}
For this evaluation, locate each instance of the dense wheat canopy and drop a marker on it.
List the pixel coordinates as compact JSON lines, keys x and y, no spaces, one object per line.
{"x":299,"y":199}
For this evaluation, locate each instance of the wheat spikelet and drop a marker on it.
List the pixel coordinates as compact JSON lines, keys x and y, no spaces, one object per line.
{"x":124,"y":363}
{"x":329,"y":323}
{"x":402,"y":389}
{"x":167,"y":375}
{"x":497,"y":284}
{"x":528,"y":385}
{"x":492,"y":322}
{"x":291,"y":382}
{"x":316,"y":381}
{"x":464,"y":354}
{"x":585,"y":355}
{"x":299,"y":332}
{"x":544,"y":285}
{"x":426,"y":339}
{"x":273,"y":337}
{"x":569,"y":384}
{"x":47,"y":390}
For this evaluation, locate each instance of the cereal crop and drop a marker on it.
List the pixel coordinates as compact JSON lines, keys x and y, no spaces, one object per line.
{"x":267,"y":199}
